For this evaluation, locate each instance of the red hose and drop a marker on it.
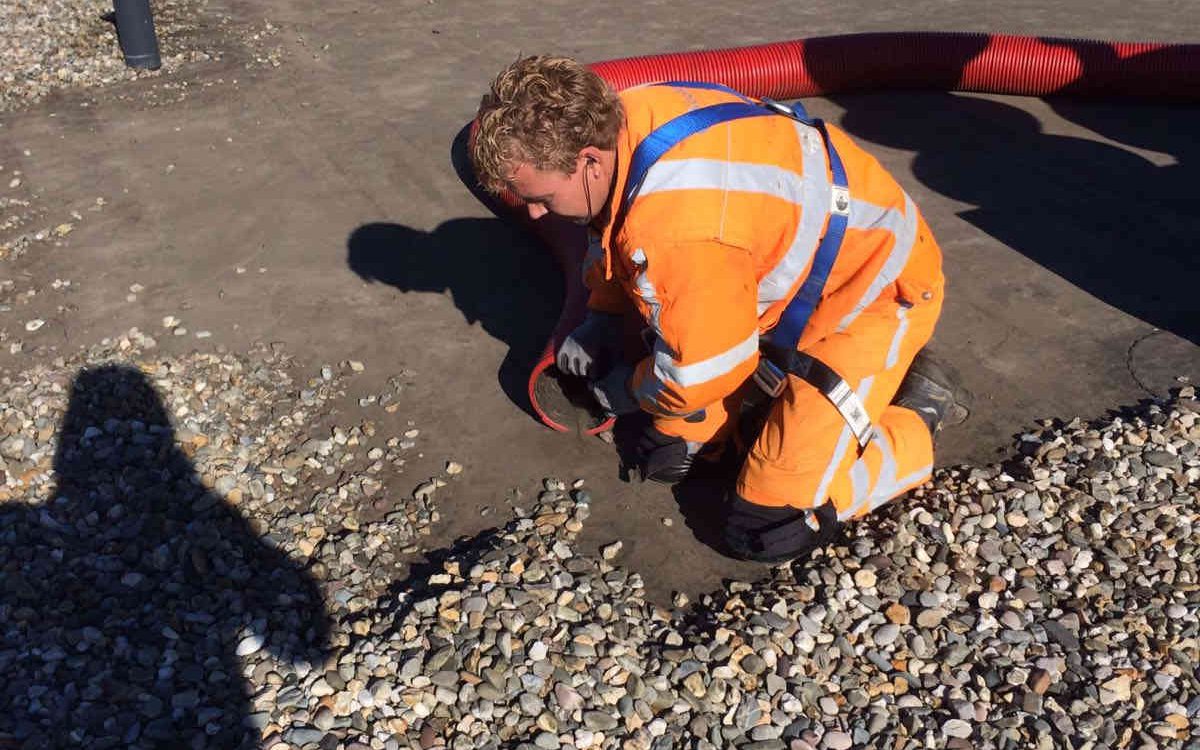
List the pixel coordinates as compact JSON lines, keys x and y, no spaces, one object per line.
{"x":984,"y":63}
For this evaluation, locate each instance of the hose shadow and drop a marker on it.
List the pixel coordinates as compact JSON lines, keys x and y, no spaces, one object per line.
{"x":1168,"y":129}
{"x":494,"y":275}
{"x":127,"y":595}
{"x":1107,"y":220}
{"x":1159,"y":75}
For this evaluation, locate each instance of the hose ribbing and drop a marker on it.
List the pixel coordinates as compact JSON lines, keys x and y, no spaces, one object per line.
{"x":984,"y":63}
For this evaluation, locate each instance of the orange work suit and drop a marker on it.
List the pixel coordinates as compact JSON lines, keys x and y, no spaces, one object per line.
{"x":720,"y":236}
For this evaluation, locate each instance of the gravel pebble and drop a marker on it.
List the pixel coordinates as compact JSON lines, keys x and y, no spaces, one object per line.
{"x":261,"y":555}
{"x":67,"y":44}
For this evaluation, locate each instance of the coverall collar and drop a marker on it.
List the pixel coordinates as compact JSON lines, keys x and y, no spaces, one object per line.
{"x":624,"y":149}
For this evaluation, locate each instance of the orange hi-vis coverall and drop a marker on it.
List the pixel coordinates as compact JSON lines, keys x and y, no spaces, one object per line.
{"x":720,"y":236}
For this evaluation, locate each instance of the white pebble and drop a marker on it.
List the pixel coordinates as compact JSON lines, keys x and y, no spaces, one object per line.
{"x":957,"y":728}
{"x":250,"y":645}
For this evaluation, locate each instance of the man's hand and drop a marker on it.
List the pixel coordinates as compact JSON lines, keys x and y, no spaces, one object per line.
{"x":612,"y":391}
{"x":653,"y":455}
{"x":592,"y":347}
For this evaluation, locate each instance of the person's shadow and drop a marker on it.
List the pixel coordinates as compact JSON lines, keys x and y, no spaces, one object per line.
{"x":125,"y":596}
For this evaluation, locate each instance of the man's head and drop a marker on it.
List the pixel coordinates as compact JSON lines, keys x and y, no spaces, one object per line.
{"x":548,"y":131}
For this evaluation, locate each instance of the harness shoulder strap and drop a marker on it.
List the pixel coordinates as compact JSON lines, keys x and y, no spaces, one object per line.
{"x":795,"y":316}
{"x":786,"y":335}
{"x":666,"y":136}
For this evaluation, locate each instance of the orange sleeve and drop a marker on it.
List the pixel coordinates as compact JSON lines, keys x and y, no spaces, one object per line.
{"x":701,"y":300}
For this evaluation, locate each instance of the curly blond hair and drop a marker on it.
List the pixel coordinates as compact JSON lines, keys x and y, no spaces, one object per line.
{"x":542,"y":110}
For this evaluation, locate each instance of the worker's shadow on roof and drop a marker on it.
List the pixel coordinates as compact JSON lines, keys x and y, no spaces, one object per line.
{"x":1110,"y":221}
{"x":142,"y":581}
{"x":496,"y":276}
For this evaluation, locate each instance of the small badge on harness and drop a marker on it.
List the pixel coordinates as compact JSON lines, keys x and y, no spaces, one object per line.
{"x":851,"y":407}
{"x":841,"y":201}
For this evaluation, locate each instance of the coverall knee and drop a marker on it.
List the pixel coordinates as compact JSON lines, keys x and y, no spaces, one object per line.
{"x":806,"y":453}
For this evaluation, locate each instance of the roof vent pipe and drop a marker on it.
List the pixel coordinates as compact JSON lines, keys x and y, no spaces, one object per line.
{"x":135,"y":32}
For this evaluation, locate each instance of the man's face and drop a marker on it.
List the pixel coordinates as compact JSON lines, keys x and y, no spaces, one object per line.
{"x":559,"y":193}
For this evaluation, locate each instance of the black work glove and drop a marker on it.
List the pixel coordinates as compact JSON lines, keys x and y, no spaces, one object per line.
{"x":778,"y":534}
{"x":612,"y":391}
{"x":652,"y":455}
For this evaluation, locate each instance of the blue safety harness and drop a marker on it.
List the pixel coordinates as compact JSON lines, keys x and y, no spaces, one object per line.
{"x":665,"y":137}
{"x":780,"y":343}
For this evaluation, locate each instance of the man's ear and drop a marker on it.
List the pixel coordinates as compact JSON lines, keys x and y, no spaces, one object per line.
{"x":590,"y":155}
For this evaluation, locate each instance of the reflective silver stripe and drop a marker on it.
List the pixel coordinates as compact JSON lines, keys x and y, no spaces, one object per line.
{"x":894,"y":350}
{"x":714,"y":174}
{"x":904,"y":227}
{"x":887,"y":487}
{"x":651,"y":387}
{"x":883,"y":495}
{"x":868,"y":215}
{"x":667,"y":368}
{"x":839,"y":450}
{"x":810,"y":518}
{"x":814,"y":201}
{"x":860,"y":481}
{"x":646,"y":290}
{"x":885,"y":479}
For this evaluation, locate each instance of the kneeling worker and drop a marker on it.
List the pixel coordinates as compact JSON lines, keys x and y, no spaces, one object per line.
{"x":771,"y":258}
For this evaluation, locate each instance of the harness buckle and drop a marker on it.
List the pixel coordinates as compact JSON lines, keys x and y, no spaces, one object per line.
{"x":770,"y":378}
{"x":779,"y":107}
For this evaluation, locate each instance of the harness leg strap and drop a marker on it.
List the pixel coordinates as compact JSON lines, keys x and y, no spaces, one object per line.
{"x":822,"y":377}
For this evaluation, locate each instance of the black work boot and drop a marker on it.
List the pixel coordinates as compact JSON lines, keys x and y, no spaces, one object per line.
{"x":932,"y":391}
{"x":777,"y":535}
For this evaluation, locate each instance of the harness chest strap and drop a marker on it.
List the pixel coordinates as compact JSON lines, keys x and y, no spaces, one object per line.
{"x":783,"y":339}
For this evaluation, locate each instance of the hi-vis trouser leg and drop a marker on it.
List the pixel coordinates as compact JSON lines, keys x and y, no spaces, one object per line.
{"x":807,"y":453}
